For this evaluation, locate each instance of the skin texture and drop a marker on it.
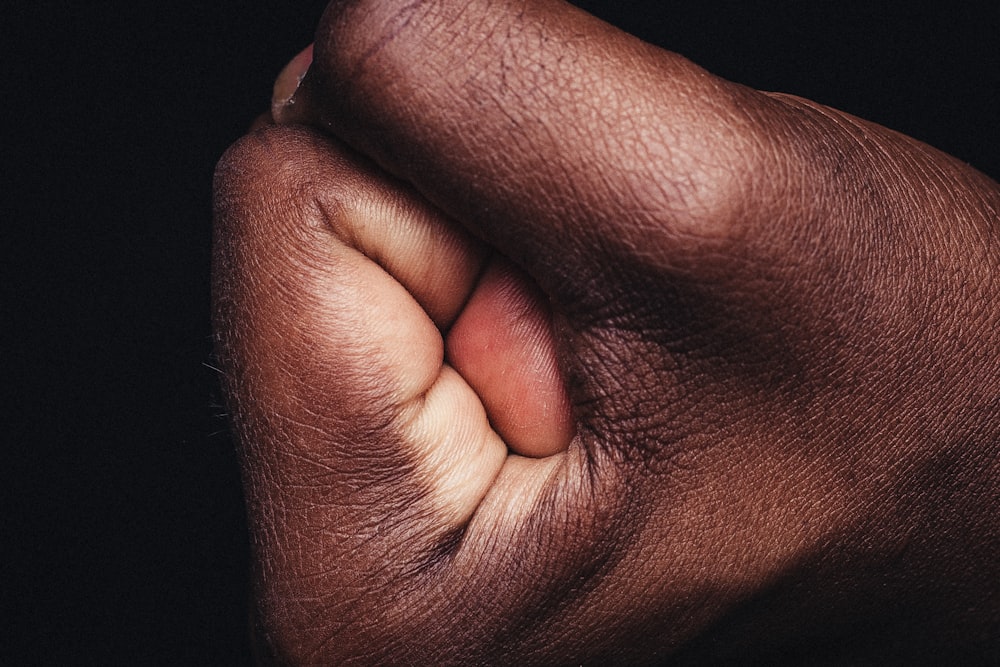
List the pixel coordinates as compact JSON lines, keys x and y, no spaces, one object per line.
{"x":545,"y":346}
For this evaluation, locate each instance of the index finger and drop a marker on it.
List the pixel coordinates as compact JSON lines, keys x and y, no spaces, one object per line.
{"x":547,"y":131}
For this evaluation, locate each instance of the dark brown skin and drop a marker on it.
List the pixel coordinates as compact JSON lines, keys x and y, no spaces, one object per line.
{"x":546,"y":346}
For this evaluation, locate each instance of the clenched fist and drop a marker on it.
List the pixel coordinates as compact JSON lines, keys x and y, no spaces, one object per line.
{"x":545,"y":346}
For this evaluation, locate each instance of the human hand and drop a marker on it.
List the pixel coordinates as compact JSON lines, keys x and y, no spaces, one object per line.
{"x":699,"y":372}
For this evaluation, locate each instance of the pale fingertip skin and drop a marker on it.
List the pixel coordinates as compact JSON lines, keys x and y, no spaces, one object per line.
{"x":503,"y":345}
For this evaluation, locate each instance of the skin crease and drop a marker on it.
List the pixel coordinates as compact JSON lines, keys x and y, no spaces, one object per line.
{"x":545,"y":346}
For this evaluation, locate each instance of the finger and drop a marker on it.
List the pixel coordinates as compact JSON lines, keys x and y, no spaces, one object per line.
{"x":297,"y":293}
{"x":555,"y":136}
{"x":503,"y":346}
{"x":348,"y":420}
{"x":364,"y":453}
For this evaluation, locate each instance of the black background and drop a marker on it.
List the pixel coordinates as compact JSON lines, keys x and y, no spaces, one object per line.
{"x":124,"y":533}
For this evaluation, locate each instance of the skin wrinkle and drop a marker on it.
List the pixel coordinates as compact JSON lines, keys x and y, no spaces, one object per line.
{"x":438,"y":613}
{"x":402,"y":20}
{"x":553,"y":508}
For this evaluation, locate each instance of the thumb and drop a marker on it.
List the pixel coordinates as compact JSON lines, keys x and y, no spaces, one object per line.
{"x":550,"y":133}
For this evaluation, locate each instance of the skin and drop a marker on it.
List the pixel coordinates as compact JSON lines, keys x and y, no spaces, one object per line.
{"x":545,"y":346}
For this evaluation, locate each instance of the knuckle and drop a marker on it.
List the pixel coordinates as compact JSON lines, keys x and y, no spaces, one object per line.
{"x":266,"y":167}
{"x":284,"y":191}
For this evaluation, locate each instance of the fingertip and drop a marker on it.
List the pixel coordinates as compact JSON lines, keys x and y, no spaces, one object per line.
{"x":283,"y":97}
{"x":503,"y":345}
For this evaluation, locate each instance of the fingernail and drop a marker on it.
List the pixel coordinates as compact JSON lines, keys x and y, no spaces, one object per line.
{"x":288,"y":82}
